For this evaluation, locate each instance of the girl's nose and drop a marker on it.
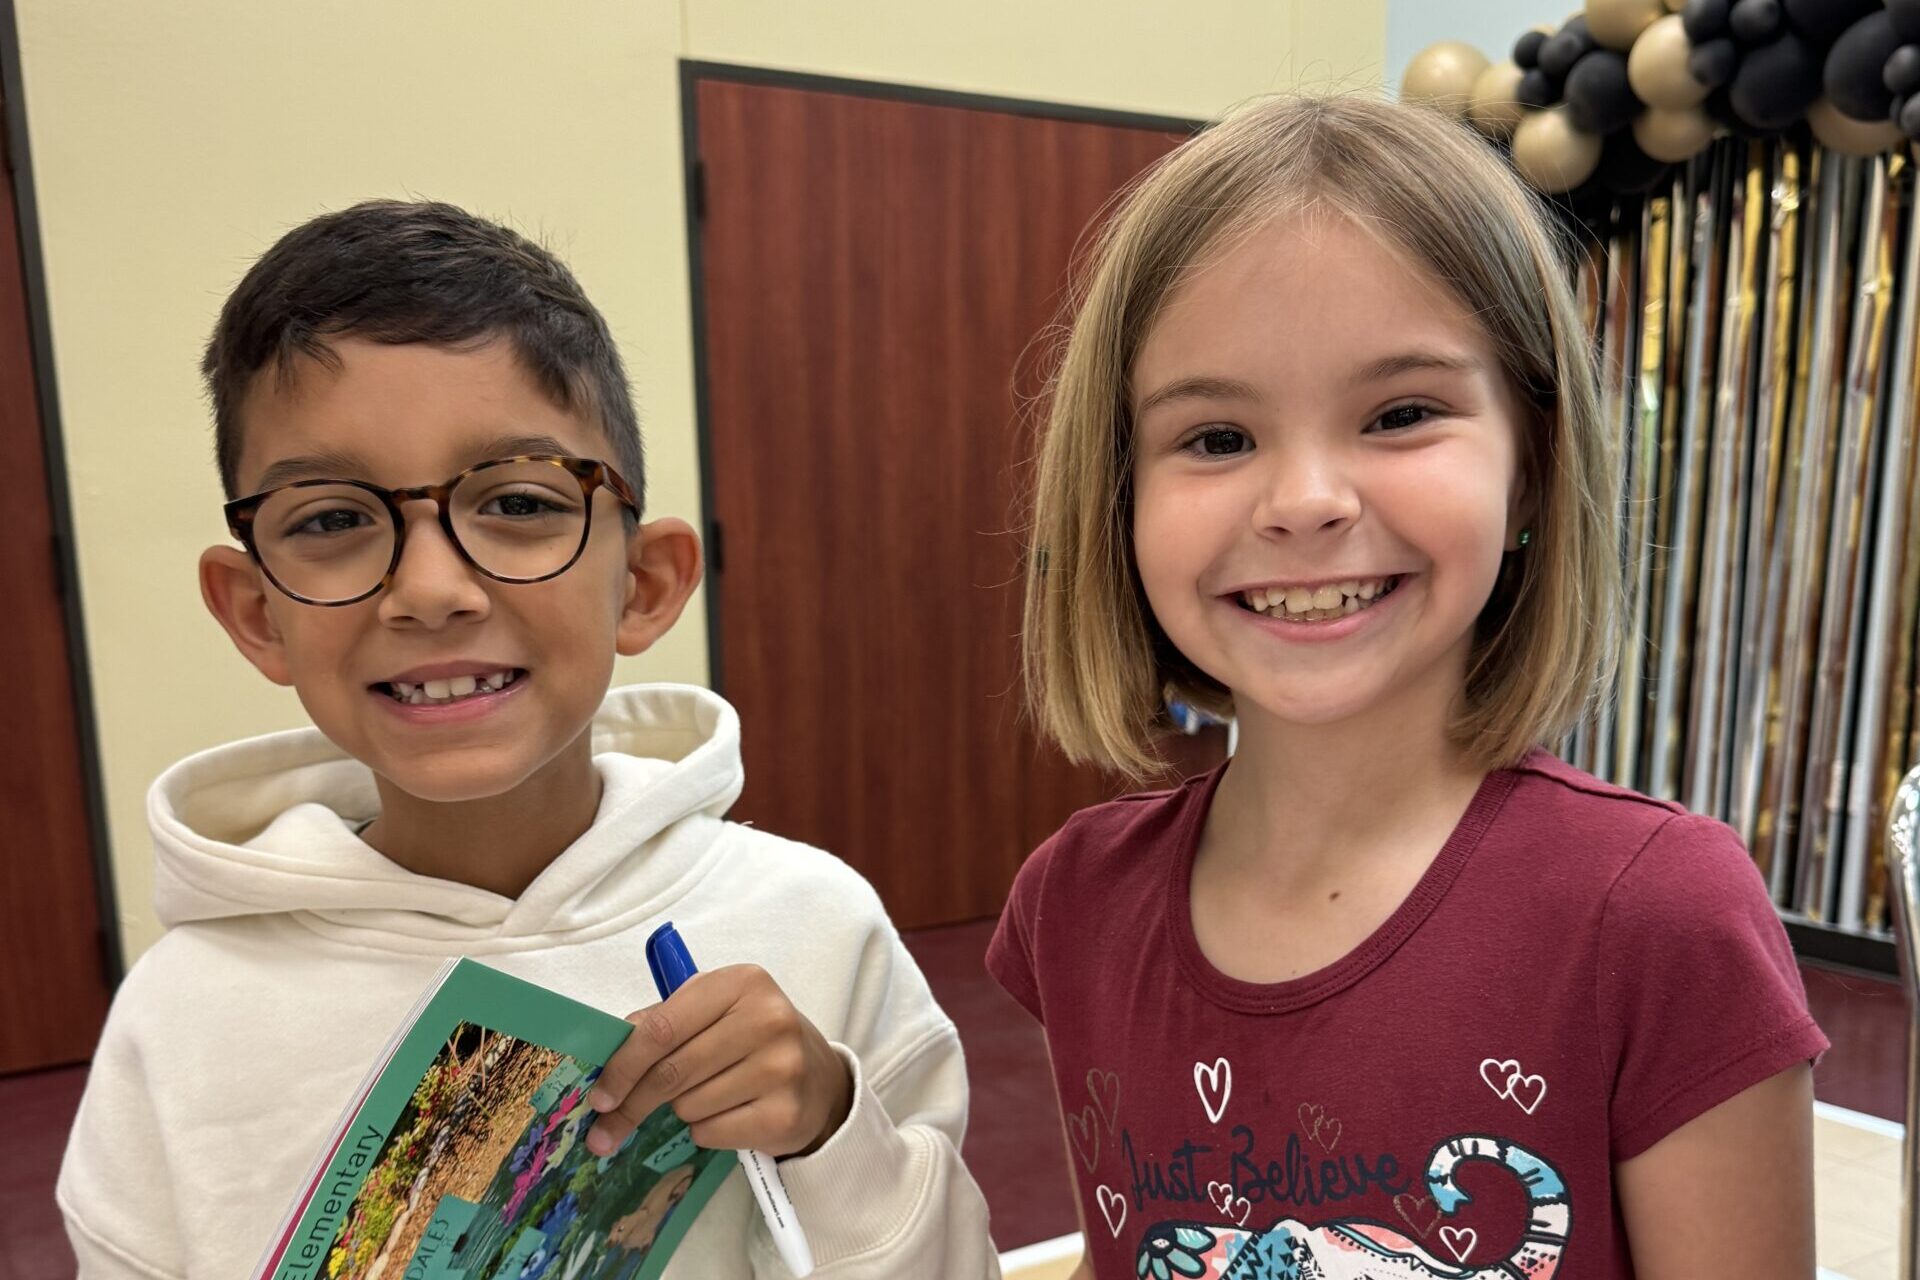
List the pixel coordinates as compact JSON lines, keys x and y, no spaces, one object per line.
{"x":1305,"y":491}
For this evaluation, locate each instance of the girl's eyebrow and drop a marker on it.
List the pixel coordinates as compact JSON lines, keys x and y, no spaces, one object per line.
{"x":1199,"y":387}
{"x":1413,"y":362}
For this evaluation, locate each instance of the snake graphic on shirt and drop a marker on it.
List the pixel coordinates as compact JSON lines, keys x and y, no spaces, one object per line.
{"x":1357,"y":1250}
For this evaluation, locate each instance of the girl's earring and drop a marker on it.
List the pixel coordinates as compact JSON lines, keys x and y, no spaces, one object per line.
{"x":1526,"y":536}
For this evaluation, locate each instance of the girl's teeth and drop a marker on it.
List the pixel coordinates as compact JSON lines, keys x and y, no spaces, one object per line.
{"x":1316,"y":604}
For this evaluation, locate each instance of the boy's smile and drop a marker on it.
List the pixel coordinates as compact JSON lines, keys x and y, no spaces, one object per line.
{"x":1326,"y":474}
{"x":451,"y":686}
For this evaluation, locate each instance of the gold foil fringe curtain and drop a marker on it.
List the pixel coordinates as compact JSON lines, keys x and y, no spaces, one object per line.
{"x":1757,"y":322}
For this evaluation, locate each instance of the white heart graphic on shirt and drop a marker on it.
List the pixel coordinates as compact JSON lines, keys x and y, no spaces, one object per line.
{"x":1214,"y":1080}
{"x":1507,"y":1078}
{"x":1235,"y":1208}
{"x":1536,"y":1086}
{"x":1460,"y":1240}
{"x":1113,"y":1206}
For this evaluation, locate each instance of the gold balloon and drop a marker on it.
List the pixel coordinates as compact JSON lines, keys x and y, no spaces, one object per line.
{"x":1657,"y":66}
{"x":1442,"y":75}
{"x":1838,"y":131}
{"x":1494,"y":110}
{"x":1551,"y":154}
{"x":1616,"y":24}
{"x":1673,"y":134}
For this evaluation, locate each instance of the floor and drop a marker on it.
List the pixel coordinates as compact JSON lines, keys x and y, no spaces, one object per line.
{"x":1860,"y":1085}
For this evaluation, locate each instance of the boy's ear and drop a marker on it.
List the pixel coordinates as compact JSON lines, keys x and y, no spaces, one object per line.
{"x":664,"y":564}
{"x":237,"y":596}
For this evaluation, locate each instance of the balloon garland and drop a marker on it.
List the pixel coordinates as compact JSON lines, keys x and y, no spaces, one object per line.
{"x":1603,"y":105}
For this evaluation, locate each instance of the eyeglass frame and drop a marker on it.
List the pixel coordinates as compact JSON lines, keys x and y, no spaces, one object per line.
{"x":591,"y":473}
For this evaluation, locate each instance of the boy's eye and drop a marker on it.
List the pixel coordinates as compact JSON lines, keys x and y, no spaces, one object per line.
{"x":523,"y":505}
{"x":1218,"y":442}
{"x":1400,"y":417}
{"x":332,"y":521}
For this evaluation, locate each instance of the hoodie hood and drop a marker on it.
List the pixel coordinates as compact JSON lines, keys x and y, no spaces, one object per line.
{"x":268,"y":826}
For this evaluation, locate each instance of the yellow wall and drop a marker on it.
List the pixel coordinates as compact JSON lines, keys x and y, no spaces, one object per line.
{"x":172,"y":143}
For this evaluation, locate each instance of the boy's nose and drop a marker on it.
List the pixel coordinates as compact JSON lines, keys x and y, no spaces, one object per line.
{"x":433,"y":584}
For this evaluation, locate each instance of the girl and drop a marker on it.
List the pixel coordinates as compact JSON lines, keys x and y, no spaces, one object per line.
{"x":1395,"y":993}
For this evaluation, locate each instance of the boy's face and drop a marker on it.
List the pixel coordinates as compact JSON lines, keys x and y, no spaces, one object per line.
{"x":413,"y":415}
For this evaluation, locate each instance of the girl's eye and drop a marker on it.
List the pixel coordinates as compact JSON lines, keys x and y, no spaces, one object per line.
{"x":1217,"y":442}
{"x":1400,"y":417}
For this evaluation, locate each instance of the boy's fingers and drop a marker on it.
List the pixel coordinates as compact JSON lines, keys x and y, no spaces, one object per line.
{"x":770,"y":1123}
{"x":607,"y":1133}
{"x":733,"y":1087}
{"x":657,"y":1032}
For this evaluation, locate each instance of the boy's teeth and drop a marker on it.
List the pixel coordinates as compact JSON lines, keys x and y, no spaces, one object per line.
{"x":452,"y":689}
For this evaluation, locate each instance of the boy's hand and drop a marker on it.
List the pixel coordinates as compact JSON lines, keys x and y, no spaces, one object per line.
{"x":741,"y":1066}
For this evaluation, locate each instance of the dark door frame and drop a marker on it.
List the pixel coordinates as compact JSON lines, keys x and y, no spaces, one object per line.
{"x":40,"y":336}
{"x":692,"y":74}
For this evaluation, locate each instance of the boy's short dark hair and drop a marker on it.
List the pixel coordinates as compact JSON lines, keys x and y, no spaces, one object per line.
{"x":402,"y":271}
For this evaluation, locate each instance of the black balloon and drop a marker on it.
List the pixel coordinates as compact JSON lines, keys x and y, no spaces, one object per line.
{"x":1537,"y":89}
{"x":1909,"y":119}
{"x":1901,"y":75}
{"x":1599,"y":99}
{"x":1855,"y":75}
{"x":1822,"y":21}
{"x":1776,"y":83}
{"x":1526,"y":50}
{"x":1755,"y":21}
{"x":1705,"y":19}
{"x":1719,"y":105}
{"x":1906,"y":19}
{"x":1627,"y":170}
{"x":1564,"y":48}
{"x":1714,"y":62}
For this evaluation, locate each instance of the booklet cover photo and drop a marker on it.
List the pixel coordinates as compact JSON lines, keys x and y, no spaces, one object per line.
{"x":465,"y":1156}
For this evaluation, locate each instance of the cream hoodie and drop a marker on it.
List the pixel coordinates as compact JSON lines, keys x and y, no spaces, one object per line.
{"x":294,"y":949}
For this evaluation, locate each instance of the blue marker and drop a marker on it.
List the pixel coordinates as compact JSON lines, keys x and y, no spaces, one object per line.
{"x":672,"y":965}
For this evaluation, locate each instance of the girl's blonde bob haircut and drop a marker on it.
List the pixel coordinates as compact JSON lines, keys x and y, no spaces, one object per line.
{"x":1097,"y":664}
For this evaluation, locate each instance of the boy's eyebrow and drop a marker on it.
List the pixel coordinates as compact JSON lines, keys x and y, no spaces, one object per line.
{"x":339,"y":464}
{"x":1199,"y":387}
{"x":514,"y":445}
{"x":1412,"y":362}
{"x":327,"y":464}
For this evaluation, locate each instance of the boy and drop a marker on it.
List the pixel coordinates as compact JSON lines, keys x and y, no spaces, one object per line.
{"x":466,"y":791}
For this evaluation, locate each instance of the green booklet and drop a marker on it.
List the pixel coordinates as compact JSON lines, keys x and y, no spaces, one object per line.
{"x":464,"y":1156}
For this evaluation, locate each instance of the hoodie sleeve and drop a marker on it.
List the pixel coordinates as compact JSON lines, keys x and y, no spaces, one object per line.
{"x":888,"y":1195}
{"x":114,"y":1191}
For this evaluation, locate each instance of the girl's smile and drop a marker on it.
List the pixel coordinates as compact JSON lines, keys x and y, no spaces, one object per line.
{"x":1310,"y":613}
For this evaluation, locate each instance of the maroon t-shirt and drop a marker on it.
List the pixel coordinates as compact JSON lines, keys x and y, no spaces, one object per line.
{"x":1580,"y":972}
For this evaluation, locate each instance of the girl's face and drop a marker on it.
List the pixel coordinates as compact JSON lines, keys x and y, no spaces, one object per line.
{"x":1326,"y":473}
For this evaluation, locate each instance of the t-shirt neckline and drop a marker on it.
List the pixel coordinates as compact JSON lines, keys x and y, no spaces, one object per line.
{"x":1311,"y":988}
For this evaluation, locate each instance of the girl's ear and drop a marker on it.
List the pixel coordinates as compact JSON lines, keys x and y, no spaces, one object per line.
{"x":1523,"y":508}
{"x":239,"y":597}
{"x":664,"y":565}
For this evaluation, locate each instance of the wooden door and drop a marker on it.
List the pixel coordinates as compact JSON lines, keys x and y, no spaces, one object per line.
{"x":879,"y":276}
{"x":53,"y":984}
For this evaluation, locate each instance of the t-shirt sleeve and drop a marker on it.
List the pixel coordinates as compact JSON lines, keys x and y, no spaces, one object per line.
{"x":1010,"y":955}
{"x":1698,"y":994}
